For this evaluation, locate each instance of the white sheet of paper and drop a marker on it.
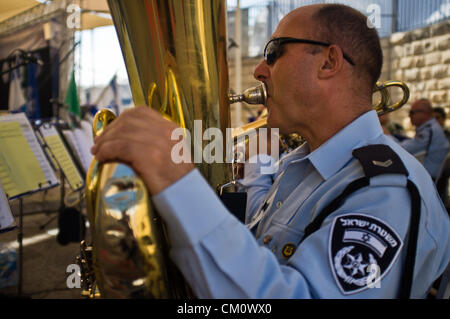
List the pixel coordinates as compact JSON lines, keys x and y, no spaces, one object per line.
{"x":81,"y":146}
{"x":6,"y":216}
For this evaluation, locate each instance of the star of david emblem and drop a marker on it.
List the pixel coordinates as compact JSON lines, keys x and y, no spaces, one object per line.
{"x":365,"y":238}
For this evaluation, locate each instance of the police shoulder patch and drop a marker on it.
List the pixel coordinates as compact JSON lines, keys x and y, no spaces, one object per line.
{"x":362,"y":250}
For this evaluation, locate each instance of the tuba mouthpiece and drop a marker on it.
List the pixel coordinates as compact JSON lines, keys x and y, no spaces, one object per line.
{"x":254,"y":95}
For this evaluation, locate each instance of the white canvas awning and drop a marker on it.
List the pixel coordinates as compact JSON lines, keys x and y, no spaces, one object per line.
{"x":89,"y":18}
{"x":94,"y":5}
{"x":9,"y":9}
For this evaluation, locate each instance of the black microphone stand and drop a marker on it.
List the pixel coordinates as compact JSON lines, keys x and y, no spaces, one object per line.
{"x":27,"y":58}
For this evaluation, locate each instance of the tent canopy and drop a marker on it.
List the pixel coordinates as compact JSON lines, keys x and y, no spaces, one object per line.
{"x":91,"y":21}
{"x":9,"y":9}
{"x":89,"y":18}
{"x":94,"y":5}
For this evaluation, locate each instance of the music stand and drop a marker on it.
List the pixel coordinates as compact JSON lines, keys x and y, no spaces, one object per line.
{"x":24,"y":168}
{"x":64,"y":160}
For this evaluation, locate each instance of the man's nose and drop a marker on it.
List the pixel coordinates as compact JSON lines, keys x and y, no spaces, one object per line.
{"x":261,"y":71}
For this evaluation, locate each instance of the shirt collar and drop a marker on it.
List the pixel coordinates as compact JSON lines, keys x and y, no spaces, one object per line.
{"x":337,"y":151}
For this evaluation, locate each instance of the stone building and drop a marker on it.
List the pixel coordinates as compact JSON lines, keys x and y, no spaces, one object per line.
{"x":420,"y":58}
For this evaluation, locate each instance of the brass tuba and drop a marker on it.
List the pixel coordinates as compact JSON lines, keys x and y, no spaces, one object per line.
{"x":175,"y":55}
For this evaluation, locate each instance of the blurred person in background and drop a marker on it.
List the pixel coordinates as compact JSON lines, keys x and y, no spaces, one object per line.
{"x":429,"y":144}
{"x":391,"y":128}
{"x":440,"y":116}
{"x":442,"y":183}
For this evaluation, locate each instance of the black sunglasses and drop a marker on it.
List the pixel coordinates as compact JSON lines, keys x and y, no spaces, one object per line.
{"x":273,"y":49}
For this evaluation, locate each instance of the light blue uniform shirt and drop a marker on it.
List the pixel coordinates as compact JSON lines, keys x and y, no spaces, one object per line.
{"x":432,"y":142}
{"x":221,"y":258}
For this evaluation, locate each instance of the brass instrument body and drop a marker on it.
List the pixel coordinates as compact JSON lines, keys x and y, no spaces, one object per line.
{"x":383,"y":106}
{"x":175,"y":54}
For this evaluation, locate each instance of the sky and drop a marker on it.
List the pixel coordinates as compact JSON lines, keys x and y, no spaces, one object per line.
{"x":101,"y":57}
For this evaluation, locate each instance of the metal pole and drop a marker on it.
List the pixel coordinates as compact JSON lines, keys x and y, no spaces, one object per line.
{"x":394,"y":16}
{"x":19,"y":239}
{"x":238,"y":63}
{"x":93,"y":57}
{"x":62,"y":191}
{"x":270,"y":7}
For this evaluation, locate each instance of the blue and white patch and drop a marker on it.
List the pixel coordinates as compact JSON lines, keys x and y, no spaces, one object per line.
{"x":362,"y":250}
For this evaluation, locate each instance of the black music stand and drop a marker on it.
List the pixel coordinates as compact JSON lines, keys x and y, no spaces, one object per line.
{"x":20,"y":237}
{"x":63,"y":209}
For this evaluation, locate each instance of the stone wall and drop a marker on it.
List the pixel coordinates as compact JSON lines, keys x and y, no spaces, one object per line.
{"x":420,"y":58}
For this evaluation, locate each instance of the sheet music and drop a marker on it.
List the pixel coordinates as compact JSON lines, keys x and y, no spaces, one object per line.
{"x":70,"y":138}
{"x":34,"y":144}
{"x":81,"y":146}
{"x":23,"y":165}
{"x":6,"y":216}
{"x":57,"y":147}
{"x":85,"y":143}
{"x":86,"y":127}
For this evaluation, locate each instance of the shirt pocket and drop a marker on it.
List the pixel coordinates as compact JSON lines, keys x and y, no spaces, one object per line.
{"x":282,"y":240}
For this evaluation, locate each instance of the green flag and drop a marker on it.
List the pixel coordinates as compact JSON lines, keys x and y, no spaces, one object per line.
{"x":72,"y":97}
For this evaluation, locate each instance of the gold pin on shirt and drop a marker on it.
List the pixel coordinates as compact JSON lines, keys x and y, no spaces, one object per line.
{"x":288,"y":250}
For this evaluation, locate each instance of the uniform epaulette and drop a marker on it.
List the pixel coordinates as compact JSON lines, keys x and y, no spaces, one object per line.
{"x":379,"y":159}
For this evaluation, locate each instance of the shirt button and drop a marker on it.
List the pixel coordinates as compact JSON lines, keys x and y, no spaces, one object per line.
{"x":279,"y":204}
{"x":267,"y":239}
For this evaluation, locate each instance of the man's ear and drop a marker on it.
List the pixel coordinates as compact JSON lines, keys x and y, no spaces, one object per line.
{"x":332,"y":62}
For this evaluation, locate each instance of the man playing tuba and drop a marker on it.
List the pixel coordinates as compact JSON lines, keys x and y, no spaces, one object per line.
{"x":350,"y":213}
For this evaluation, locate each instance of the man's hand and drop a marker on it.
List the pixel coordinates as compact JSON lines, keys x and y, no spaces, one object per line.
{"x":141,"y":138}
